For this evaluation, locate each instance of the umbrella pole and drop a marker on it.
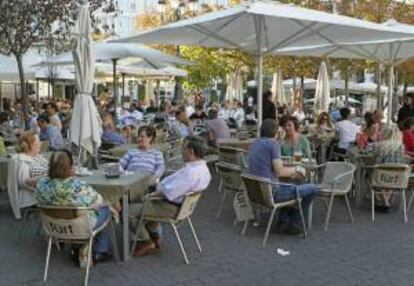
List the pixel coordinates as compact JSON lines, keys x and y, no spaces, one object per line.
{"x":114,"y":87}
{"x":390,"y":89}
{"x":123,"y":87}
{"x":260,"y":92}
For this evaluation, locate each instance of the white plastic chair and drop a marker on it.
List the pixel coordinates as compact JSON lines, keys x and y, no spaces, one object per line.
{"x":71,"y":225}
{"x":230,"y":180}
{"x":390,"y":177}
{"x":184,"y":214}
{"x":260,"y":193}
{"x":336,"y":182}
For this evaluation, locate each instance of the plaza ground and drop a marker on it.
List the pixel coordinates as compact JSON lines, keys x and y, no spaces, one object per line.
{"x":363,"y":253}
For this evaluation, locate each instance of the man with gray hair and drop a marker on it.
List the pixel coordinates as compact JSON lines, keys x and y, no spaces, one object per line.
{"x":193,"y":177}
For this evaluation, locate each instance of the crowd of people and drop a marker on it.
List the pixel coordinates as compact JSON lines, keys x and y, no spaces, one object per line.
{"x":283,"y":133}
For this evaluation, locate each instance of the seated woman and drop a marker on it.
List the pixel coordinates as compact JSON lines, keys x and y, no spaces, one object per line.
{"x":324,"y":123}
{"x":294,"y":141}
{"x":389,"y":150}
{"x":62,"y":188}
{"x":145,"y":158}
{"x":30,"y":166}
{"x":371,"y":133}
{"x":110,"y":135}
{"x":6,"y":129}
{"x":408,"y":136}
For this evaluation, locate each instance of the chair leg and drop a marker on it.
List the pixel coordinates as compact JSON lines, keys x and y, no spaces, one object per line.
{"x":348,"y":205}
{"x":88,"y":263}
{"x":140,"y":222}
{"x":404,"y":201}
{"x":194,"y":234}
{"x":372,"y":205}
{"x":223,"y":198}
{"x":410,"y":201}
{"x":302,"y":218}
{"x":114,"y":242}
{"x":310,"y":216}
{"x":177,"y":235}
{"x":245,"y":227}
{"x":220,"y":188}
{"x":49,"y":250}
{"x":328,"y":215}
{"x":269,"y":225}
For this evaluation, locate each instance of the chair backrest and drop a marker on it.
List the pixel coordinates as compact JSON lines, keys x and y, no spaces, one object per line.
{"x":189,"y":203}
{"x":13,"y":186}
{"x":67,"y":223}
{"x":343,"y":169}
{"x":232,"y":155}
{"x":259,"y":190}
{"x":390,"y":176}
{"x":229,"y":175}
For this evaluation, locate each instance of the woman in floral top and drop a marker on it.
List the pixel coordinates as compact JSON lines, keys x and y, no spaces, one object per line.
{"x":61,"y":188}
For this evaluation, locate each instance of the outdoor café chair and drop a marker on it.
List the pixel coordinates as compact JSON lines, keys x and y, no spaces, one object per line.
{"x":230,"y":180}
{"x":390,"y":177}
{"x":232,"y":155}
{"x":260,"y":193}
{"x":336,"y":181}
{"x":71,"y":225}
{"x":184,"y":214}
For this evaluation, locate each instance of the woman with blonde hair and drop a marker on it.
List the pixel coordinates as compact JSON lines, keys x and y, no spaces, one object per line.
{"x":323,"y":122}
{"x":30,"y":166}
{"x":389,"y":150}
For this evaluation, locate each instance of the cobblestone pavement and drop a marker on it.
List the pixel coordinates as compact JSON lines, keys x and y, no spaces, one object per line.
{"x":364,"y":253}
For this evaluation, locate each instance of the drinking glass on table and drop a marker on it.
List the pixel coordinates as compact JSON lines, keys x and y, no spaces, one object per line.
{"x":297,"y":156}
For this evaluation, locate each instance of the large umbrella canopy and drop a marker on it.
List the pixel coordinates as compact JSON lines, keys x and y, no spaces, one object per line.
{"x":9,"y":70}
{"x":86,"y":125}
{"x":262,"y":28}
{"x":388,"y":51}
{"x":278,"y":89}
{"x":322,"y":92}
{"x":106,"y":52}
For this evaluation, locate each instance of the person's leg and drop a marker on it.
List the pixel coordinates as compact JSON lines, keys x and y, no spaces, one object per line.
{"x":307,"y":193}
{"x":281,"y":194}
{"x":102,"y":241}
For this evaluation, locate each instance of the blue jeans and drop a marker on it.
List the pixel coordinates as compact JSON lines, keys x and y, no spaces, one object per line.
{"x":102,"y":241}
{"x":284,"y":193}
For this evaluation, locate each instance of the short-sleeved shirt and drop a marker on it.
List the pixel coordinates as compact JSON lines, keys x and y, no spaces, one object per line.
{"x":302,"y":145}
{"x":218,"y":127}
{"x":347,"y":131}
{"x":66,"y":192}
{"x":151,"y":162}
{"x":261,"y":156}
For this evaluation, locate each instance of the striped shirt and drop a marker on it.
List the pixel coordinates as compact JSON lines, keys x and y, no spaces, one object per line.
{"x":150,"y":161}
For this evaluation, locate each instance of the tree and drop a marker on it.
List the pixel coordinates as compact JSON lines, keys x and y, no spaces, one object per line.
{"x":26,"y":22}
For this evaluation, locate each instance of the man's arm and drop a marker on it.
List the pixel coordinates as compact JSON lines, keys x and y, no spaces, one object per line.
{"x":283,"y":171}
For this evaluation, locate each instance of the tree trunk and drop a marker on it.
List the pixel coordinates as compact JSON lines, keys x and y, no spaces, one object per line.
{"x":380,"y":101}
{"x":23,"y":93}
{"x":346,"y":79}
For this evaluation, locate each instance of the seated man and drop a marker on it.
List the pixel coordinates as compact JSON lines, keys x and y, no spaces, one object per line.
{"x":217,"y":127}
{"x":50,"y":133}
{"x":346,"y":130}
{"x":194,"y":177}
{"x":181,"y":127}
{"x":265,"y":161}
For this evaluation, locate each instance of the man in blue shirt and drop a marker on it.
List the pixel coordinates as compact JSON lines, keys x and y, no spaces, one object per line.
{"x":265,"y":161}
{"x":50,"y":133}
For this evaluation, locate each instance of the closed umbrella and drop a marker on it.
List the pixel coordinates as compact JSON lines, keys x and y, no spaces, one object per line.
{"x":149,"y":90}
{"x":322,"y":92}
{"x":86,"y":125}
{"x":278,"y":89}
{"x":262,"y":28}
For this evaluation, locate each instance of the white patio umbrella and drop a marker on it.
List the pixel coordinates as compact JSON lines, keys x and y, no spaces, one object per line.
{"x":278,"y":89}
{"x":390,"y":52}
{"x":322,"y":92}
{"x":113,"y":52}
{"x":86,"y":125}
{"x":263,"y":27}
